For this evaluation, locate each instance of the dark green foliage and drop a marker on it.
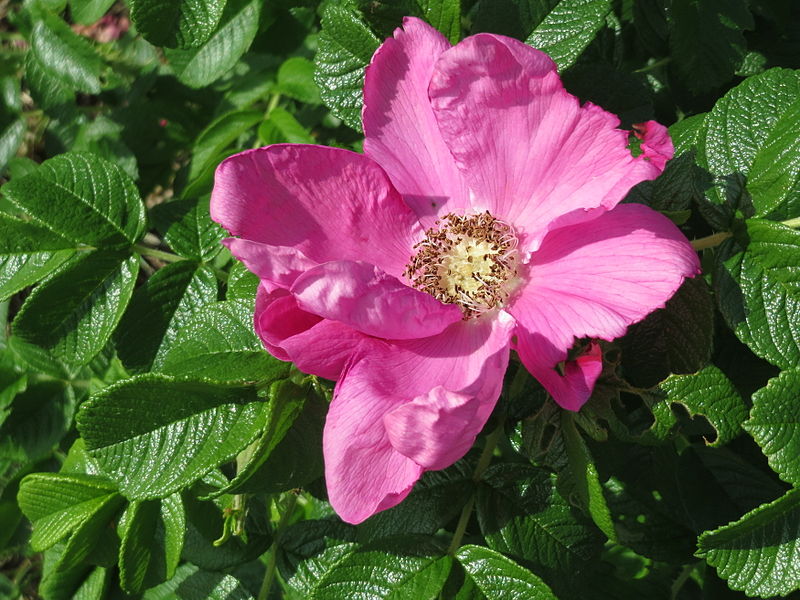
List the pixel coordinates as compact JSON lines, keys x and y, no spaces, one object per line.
{"x":151,"y":448}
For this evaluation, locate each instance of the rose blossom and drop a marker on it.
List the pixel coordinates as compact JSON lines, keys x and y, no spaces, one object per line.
{"x":482,"y":217}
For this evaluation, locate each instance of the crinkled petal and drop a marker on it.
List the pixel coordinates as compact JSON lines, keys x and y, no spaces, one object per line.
{"x":328,"y":203}
{"x":362,"y":296}
{"x":400,"y":131}
{"x":315,"y":345}
{"x":531,"y":154}
{"x":597,"y":278}
{"x":365,"y":473}
{"x":571,"y":389}
{"x":435,"y":429}
{"x":277,"y":265}
{"x":656,"y":144}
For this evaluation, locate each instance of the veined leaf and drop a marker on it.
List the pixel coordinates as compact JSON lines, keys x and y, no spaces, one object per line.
{"x":74,"y":313}
{"x":711,"y":394}
{"x":759,"y":553}
{"x":155,"y":434}
{"x":567,"y":29}
{"x":198,"y":67}
{"x":346,"y":45}
{"x":218,"y":343}
{"x":775,"y":424}
{"x":177,"y":23}
{"x":500,"y":577}
{"x":66,"y":56}
{"x":82,"y":198}
{"x":159,"y":310}
{"x":58,"y":504}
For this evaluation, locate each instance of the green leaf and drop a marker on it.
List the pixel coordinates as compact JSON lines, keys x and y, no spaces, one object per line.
{"x":89,"y":535}
{"x":74,"y":312}
{"x":568,"y":29}
{"x":215,"y":138}
{"x":675,"y":339}
{"x":205,"y":521}
{"x":242,"y":285}
{"x":296,"y":80}
{"x":192,"y":583}
{"x":286,"y":401}
{"x":384,"y":16}
{"x":159,"y":310}
{"x":758,"y":291}
{"x":760,"y":553}
{"x":429,"y":507}
{"x":500,"y":577}
{"x":581,"y":477}
{"x":776,"y":248}
{"x":282,"y":126}
{"x":82,"y":198}
{"x":202,"y":66}
{"x":58,"y":504}
{"x":152,"y":543}
{"x":309,"y":549}
{"x":188,"y":228}
{"x":521,"y":513}
{"x":66,"y":56}
{"x":408,"y":568}
{"x":28,"y":253}
{"x":444,"y":15}
{"x":79,"y":583}
{"x":748,"y":135}
{"x":41,"y":416}
{"x":177,"y":23}
{"x":775,"y":424}
{"x":87,"y":12}
{"x":10,"y":140}
{"x":155,"y":434}
{"x":514,"y":18}
{"x":707,"y":41}
{"x":711,"y":394}
{"x":104,"y":137}
{"x":219,"y":343}
{"x":346,"y":46}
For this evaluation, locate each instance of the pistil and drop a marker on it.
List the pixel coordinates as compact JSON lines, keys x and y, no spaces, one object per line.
{"x":470,"y":261}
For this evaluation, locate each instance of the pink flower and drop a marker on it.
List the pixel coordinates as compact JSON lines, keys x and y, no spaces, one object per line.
{"x":482,"y":217}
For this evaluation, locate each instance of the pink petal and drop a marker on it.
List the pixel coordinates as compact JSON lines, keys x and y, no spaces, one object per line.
{"x":362,"y":296}
{"x":328,"y":203}
{"x":315,"y":345}
{"x":364,"y":471}
{"x":656,"y":144}
{"x":399,"y":127}
{"x":596,"y":278}
{"x":529,"y":152}
{"x":277,"y":265}
{"x":572,"y":389}
{"x":435,"y":429}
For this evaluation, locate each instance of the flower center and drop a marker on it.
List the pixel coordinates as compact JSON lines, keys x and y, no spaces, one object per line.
{"x":470,"y":261}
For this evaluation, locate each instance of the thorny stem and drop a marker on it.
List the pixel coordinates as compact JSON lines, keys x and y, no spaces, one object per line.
{"x":711,"y":241}
{"x":466,"y":512}
{"x":269,"y":575}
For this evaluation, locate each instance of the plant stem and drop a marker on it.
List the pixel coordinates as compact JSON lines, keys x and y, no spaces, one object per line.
{"x":159,"y":254}
{"x":655,"y":65}
{"x":466,"y":512}
{"x":710,"y":241}
{"x":269,"y":575}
